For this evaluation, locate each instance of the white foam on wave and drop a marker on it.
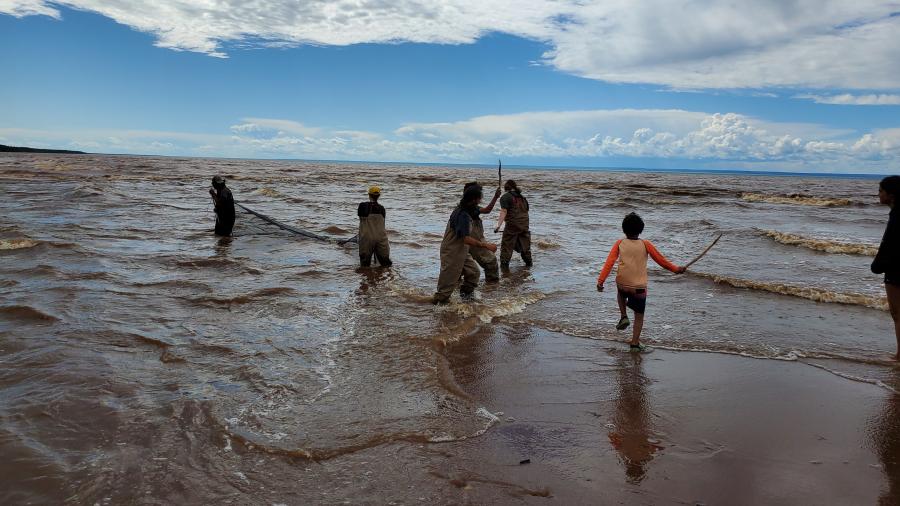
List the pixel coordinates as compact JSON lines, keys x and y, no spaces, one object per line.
{"x":486,"y":311}
{"x":775,"y":354}
{"x":11,"y":244}
{"x":827,"y":245}
{"x":852,"y":377}
{"x":482,"y":412}
{"x":802,"y":357}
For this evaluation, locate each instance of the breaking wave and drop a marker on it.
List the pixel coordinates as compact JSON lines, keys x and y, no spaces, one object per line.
{"x":826,"y":245}
{"x":796,"y":198}
{"x":26,"y":314}
{"x":267,"y":192}
{"x":805,"y":292}
{"x":507,"y":306}
{"x":546,"y":244}
{"x":9,"y":244}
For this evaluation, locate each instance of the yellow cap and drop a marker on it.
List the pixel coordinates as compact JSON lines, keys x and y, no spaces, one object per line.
{"x":374,"y":189}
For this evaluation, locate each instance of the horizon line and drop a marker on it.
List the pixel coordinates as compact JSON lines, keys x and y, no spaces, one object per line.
{"x":561,"y":167}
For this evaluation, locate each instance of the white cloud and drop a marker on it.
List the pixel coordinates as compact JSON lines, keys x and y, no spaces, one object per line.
{"x":21,"y":8}
{"x":715,"y":44}
{"x":848,"y":99}
{"x":264,"y":126}
{"x":694,"y":44}
{"x":593,"y":136}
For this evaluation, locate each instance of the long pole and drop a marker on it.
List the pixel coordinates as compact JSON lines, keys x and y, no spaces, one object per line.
{"x":701,"y":255}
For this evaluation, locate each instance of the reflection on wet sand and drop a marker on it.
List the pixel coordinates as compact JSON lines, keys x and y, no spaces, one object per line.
{"x":886,"y":440}
{"x":630,"y":432}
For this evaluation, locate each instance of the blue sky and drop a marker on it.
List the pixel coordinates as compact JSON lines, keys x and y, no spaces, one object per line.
{"x":794,"y":85}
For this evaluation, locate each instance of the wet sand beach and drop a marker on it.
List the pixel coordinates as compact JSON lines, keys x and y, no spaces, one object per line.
{"x":145,"y":361}
{"x":603,"y":426}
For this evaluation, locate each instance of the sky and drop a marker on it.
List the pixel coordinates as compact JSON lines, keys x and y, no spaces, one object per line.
{"x":784,"y":85}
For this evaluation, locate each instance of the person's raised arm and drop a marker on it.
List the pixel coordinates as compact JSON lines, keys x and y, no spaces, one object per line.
{"x":608,"y":265}
{"x":490,"y":207}
{"x":661,"y":260}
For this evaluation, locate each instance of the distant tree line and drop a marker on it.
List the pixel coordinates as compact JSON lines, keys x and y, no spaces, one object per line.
{"x":21,"y":149}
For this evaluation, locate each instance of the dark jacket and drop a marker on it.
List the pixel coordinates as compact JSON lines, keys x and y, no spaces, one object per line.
{"x":887,"y":261}
{"x":367,"y":208}
{"x":225,"y":205}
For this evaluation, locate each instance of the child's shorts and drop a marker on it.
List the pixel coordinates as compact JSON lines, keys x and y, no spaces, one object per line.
{"x":635,"y":299}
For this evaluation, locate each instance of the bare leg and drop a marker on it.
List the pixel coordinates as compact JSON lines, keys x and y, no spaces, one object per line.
{"x":893,"y":297}
{"x":638,"y":327}
{"x":621,"y":300}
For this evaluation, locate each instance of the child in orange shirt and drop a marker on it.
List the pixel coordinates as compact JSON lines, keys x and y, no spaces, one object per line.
{"x":631,"y":276}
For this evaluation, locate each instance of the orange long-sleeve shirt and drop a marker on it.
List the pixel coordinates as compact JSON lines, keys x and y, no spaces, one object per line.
{"x":632,"y":259}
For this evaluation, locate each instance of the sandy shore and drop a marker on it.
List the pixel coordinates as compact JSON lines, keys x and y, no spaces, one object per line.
{"x":601,"y":425}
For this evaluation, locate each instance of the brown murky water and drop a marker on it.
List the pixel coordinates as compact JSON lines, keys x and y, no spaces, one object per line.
{"x":146,"y":361}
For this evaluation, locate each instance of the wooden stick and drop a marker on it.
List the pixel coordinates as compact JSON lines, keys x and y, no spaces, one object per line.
{"x":701,"y":255}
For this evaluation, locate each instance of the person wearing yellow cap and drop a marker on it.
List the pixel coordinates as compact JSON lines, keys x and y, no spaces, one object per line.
{"x":373,"y":240}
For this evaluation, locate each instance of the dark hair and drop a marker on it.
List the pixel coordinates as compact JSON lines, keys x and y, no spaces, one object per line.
{"x":511,"y":186}
{"x":891,"y":185}
{"x":472,"y":193}
{"x":470,"y":184}
{"x":632,"y":225}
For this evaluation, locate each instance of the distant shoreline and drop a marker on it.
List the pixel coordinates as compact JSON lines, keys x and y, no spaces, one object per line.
{"x":578,"y":168}
{"x":22,"y":149}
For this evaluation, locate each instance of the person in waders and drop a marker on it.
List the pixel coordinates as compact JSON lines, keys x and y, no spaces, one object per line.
{"x":373,"y":238}
{"x":516,"y":235}
{"x":223,"y":201}
{"x":456,"y":263}
{"x":484,"y":257}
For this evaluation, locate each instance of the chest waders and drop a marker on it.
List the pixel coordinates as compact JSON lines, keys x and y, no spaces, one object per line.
{"x":456,"y":264}
{"x":483,"y":256}
{"x":225,"y":214}
{"x":516,"y":234}
{"x":373,"y":240}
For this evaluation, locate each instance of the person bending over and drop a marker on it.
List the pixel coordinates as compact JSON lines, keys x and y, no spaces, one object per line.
{"x":630,"y":255}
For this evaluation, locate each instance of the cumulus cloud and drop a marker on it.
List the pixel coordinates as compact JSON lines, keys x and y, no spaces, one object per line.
{"x":697,"y":44}
{"x":21,"y":8}
{"x":848,"y":99}
{"x":264,"y":126}
{"x":624,"y":132}
{"x":592,"y":136}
